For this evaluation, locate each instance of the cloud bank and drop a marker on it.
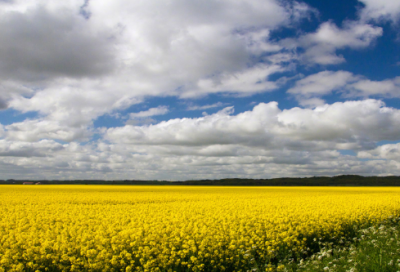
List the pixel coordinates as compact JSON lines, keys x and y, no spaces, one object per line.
{"x":65,"y":66}
{"x":263,"y":142}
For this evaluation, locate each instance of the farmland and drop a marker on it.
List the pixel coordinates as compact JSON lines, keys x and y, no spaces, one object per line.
{"x":179,"y":228}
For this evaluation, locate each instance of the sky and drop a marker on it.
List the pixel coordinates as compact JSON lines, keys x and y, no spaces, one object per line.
{"x":181,"y":89}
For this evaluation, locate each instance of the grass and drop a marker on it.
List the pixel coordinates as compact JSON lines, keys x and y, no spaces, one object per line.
{"x":376,"y":248}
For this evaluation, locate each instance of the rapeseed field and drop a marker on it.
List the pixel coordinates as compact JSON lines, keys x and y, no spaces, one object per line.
{"x":177,"y":228}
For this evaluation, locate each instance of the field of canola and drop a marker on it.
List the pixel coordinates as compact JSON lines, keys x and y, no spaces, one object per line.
{"x":173,"y":228}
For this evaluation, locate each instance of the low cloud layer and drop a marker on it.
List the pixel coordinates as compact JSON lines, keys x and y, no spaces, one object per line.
{"x":268,"y":127}
{"x":264,"y":142}
{"x":309,"y":90}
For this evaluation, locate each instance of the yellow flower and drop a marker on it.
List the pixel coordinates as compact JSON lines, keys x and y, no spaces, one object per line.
{"x":168,"y":228}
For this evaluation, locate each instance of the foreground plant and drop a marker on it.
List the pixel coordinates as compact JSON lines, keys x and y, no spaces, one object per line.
{"x":374,"y":249}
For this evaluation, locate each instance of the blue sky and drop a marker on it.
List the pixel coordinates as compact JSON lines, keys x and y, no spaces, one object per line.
{"x":178,"y":90}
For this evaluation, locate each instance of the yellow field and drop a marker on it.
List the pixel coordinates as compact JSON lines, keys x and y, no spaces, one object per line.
{"x":171,"y":228}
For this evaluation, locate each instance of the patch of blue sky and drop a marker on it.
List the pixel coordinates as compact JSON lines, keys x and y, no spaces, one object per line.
{"x":176,"y":107}
{"x":379,"y":61}
{"x":336,"y":96}
{"x":336,"y":11}
{"x":380,"y":143}
{"x":392,"y":102}
{"x":187,"y":108}
{"x":108,"y":121}
{"x":365,"y":159}
{"x":347,"y":152}
{"x":60,"y":141}
{"x":95,"y":138}
{"x":326,"y":11}
{"x":10,"y":116}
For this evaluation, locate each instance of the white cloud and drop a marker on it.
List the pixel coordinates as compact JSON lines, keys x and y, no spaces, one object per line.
{"x":10,"y":89}
{"x":160,"y":110}
{"x":205,"y":107}
{"x":35,"y":130}
{"x":353,"y":35}
{"x":144,"y":117}
{"x":269,"y":127}
{"x":214,"y":164}
{"x":67,"y":109}
{"x":366,"y":88}
{"x":322,"y":83}
{"x":321,"y":46}
{"x":310,"y":102}
{"x":76,"y":68}
{"x":261,"y":143}
{"x":247,"y":82}
{"x":380,"y":10}
{"x":264,"y":142}
{"x":23,"y":149}
{"x":257,"y":42}
{"x":309,"y":90}
{"x":60,"y":44}
{"x":383,"y":152}
{"x":79,"y":66}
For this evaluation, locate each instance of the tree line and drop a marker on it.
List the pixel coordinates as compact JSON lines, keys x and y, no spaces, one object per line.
{"x":343,"y":180}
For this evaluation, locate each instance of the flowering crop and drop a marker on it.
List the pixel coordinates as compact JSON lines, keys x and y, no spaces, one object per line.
{"x":176,"y":228}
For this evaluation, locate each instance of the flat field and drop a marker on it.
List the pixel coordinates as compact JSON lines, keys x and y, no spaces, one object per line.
{"x":178,"y":228}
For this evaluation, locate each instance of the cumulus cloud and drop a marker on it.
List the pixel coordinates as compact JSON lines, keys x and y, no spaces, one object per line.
{"x":321,"y":46}
{"x":245,"y":82}
{"x":144,"y":117}
{"x":92,"y":165}
{"x":257,"y":42}
{"x":90,"y":58}
{"x":366,"y":88}
{"x":268,"y":127}
{"x":87,"y":59}
{"x":205,"y":107}
{"x":309,"y":90}
{"x":35,"y":130}
{"x":383,"y":152}
{"x":60,"y":44}
{"x":261,"y":143}
{"x":160,"y":110}
{"x":380,"y":10}
{"x":24,"y":149}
